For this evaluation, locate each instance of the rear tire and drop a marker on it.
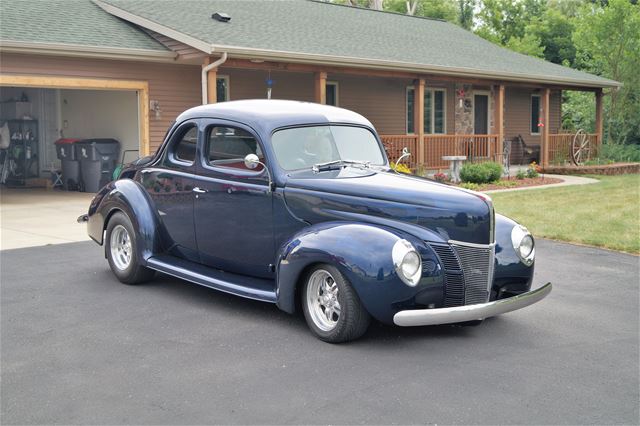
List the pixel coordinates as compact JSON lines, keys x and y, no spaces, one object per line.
{"x":331,"y":306}
{"x":121,"y":249}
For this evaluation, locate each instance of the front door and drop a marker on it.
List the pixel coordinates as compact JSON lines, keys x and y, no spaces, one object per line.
{"x":481,"y":114}
{"x":233,"y":206}
{"x":170,"y":186}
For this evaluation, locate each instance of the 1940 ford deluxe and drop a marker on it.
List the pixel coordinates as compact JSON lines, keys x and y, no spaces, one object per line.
{"x":295,"y":204}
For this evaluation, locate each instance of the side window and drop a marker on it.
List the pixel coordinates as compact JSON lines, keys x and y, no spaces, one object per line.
{"x":183,"y":146}
{"x":227,"y":147}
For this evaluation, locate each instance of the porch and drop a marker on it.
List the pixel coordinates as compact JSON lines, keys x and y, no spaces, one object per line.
{"x":432,"y":115}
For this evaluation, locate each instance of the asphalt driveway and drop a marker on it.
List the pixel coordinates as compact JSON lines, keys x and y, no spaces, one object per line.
{"x":78,"y":347}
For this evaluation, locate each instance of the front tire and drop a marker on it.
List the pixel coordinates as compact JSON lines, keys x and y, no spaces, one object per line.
{"x":122,"y":251}
{"x":331,"y":306}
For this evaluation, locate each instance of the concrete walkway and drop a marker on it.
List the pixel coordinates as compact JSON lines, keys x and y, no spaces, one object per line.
{"x":567,"y":180}
{"x":38,"y":217}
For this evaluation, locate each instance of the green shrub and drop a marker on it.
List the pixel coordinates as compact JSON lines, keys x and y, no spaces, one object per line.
{"x":480,"y":172}
{"x":469,"y":185}
{"x":620,"y":153}
{"x":521,"y":174}
{"x":506,"y":183}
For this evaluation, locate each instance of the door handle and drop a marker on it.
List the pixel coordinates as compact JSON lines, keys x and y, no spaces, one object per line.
{"x":199,"y":191}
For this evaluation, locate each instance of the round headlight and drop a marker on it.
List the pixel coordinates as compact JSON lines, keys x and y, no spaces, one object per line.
{"x":523,"y":244}
{"x":526,"y":246}
{"x":407,"y":262}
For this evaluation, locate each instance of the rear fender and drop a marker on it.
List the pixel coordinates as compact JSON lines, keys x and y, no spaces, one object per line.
{"x":129,"y":197}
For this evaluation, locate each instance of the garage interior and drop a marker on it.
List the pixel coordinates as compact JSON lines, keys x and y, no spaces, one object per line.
{"x":37,"y":117}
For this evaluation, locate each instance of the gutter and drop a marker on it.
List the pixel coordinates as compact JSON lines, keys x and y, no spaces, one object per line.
{"x":205,"y":80}
{"x":77,"y":50}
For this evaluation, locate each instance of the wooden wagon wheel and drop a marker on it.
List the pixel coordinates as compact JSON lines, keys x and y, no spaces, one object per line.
{"x":580,"y":148}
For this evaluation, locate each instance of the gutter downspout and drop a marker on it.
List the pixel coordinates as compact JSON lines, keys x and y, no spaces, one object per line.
{"x":205,"y":71}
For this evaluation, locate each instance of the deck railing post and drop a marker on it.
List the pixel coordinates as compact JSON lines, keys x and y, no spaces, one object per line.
{"x":500,"y":119}
{"x":321,"y":87}
{"x":419,"y":119}
{"x":599,"y":132}
{"x":545,"y":127}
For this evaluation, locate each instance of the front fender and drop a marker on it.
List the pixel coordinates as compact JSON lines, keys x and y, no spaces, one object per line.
{"x":129,"y":197}
{"x":362,"y":252}
{"x":511,"y":276}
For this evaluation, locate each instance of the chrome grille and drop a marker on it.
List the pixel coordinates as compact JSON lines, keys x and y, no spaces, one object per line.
{"x":468,"y":272}
{"x":477,"y":268}
{"x":453,"y":280}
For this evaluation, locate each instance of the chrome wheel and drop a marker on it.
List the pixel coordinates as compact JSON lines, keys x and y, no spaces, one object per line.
{"x":120,"y":244}
{"x":322,"y":300}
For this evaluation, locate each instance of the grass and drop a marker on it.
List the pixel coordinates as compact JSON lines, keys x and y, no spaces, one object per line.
{"x":605,"y":214}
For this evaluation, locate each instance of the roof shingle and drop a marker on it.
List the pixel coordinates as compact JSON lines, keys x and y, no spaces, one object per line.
{"x":74,"y":22}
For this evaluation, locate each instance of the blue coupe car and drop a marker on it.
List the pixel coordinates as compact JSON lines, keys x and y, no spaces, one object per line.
{"x":296,"y":204}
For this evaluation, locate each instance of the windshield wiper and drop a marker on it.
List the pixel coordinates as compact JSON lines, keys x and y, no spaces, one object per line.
{"x":329,"y":165}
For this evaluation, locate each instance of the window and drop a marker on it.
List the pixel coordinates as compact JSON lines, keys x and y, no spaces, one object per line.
{"x":332,"y":93}
{"x":222,"y":88}
{"x":185,"y":148}
{"x":227,"y":147}
{"x":410,"y":105}
{"x":535,"y":114}
{"x":302,"y":147}
{"x":434,"y":111}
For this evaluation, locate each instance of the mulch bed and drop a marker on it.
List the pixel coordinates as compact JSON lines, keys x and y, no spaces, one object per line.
{"x":519,"y":183}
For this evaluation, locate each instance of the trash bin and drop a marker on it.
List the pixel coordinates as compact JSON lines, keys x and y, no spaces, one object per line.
{"x":98,"y":159}
{"x":70,"y":164}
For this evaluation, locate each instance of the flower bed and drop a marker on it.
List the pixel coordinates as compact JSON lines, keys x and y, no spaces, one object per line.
{"x":511,"y":183}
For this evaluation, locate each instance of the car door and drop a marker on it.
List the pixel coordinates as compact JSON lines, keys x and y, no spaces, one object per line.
{"x":170,"y":186}
{"x":233,"y":205}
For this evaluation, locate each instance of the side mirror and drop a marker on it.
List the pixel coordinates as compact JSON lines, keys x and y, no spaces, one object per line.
{"x":251,"y":161}
{"x":405,"y":154}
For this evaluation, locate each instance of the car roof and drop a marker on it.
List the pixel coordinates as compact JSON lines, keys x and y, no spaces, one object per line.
{"x":266,"y":115}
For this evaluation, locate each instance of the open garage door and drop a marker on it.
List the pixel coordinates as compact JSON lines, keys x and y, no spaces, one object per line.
{"x":41,"y":110}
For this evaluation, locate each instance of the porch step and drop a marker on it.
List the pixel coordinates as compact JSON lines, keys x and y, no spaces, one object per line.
{"x":239,"y":285}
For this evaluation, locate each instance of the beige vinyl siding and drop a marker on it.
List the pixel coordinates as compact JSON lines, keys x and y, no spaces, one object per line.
{"x":252,"y":84}
{"x":176,"y":87}
{"x":381,"y":100}
{"x":517,"y":115}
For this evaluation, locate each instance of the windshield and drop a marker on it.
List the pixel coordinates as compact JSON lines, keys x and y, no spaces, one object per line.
{"x":304,"y":147}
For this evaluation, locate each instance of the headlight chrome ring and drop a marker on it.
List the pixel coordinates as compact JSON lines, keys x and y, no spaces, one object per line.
{"x":523,"y":244}
{"x":407,"y":262}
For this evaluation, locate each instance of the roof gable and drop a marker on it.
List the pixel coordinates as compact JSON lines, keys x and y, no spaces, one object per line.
{"x":322,"y":32}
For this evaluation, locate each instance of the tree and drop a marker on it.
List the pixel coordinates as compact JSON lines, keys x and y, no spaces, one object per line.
{"x":439,"y":9}
{"x":607,"y":40}
{"x":501,"y":20}
{"x":466,"y":13}
{"x":554,"y":30}
{"x":529,"y":44}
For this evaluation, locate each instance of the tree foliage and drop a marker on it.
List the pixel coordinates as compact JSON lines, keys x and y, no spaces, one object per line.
{"x":607,"y":40}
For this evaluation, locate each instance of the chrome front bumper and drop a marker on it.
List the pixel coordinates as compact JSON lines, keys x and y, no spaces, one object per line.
{"x":478,"y":311}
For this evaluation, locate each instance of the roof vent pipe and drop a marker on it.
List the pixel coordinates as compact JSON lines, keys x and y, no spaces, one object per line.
{"x":221,"y":17}
{"x":205,"y":71}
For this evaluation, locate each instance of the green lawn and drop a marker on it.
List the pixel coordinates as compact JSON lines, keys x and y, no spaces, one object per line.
{"x":604,"y":214}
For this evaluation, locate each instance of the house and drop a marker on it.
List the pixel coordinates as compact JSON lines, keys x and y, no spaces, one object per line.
{"x":126,"y":68}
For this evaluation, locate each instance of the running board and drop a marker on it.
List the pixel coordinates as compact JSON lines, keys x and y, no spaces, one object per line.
{"x":240,"y":285}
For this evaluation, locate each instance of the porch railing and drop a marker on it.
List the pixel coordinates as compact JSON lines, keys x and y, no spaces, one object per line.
{"x":393,"y":144}
{"x":477,"y":148}
{"x":560,"y":146}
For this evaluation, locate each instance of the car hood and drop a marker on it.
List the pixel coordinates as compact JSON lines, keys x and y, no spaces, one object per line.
{"x":453,"y":213}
